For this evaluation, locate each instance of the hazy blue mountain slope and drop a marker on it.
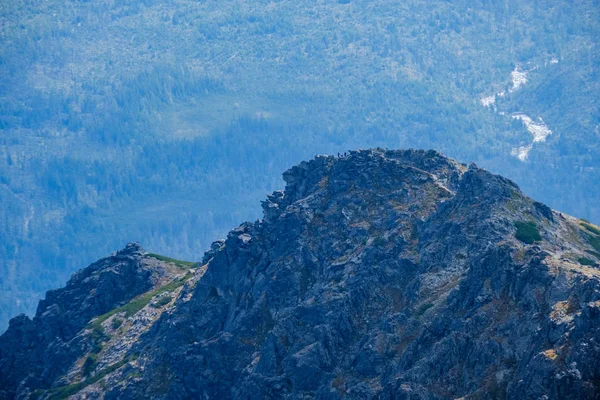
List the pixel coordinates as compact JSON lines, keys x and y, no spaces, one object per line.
{"x":165,"y":122}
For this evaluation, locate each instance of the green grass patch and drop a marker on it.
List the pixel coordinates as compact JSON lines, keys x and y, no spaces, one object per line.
{"x":585,"y":261}
{"x":138,"y":303}
{"x":116,"y":323}
{"x":163,"y":301}
{"x":591,"y":228}
{"x":90,"y":364}
{"x":180,"y":263}
{"x":594,"y":241}
{"x":597,"y":255}
{"x":527,"y":232}
{"x":98,"y":336}
{"x":379,"y":242}
{"x":64,"y":392}
{"x":421,"y":310}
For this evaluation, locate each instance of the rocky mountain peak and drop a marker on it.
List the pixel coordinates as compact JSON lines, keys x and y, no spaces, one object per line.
{"x":379,"y":274}
{"x":362,"y":170}
{"x":131,"y":249}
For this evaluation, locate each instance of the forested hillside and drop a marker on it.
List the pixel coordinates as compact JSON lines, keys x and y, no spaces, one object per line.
{"x":167,"y":122}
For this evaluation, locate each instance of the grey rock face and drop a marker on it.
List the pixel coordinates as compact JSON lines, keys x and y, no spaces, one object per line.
{"x":34,"y":353}
{"x":384,"y":274}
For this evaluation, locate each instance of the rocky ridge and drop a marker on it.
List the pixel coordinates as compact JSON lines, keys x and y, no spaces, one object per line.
{"x":383,"y":274}
{"x":89,"y":324}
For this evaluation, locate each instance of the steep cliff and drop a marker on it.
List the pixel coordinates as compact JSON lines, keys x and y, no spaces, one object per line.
{"x":383,"y":274}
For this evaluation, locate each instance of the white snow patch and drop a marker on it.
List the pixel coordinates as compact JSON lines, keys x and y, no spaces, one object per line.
{"x":518,"y":78}
{"x":488,"y":101}
{"x":521,"y":152}
{"x":538,"y":128}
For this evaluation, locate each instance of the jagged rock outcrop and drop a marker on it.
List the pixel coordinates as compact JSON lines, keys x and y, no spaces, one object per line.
{"x":384,"y":274}
{"x":34,"y":353}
